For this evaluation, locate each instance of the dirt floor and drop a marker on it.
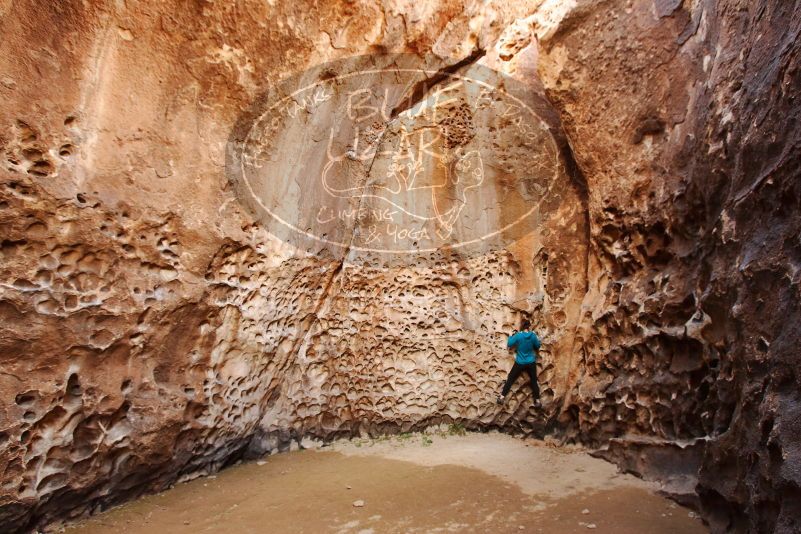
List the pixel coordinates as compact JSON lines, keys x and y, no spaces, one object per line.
{"x":410,"y":483}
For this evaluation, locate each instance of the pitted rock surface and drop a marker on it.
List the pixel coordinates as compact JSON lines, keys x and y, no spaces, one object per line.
{"x":152,"y":330}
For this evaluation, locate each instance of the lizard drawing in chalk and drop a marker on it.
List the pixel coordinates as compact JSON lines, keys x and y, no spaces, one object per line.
{"x":398,"y":176}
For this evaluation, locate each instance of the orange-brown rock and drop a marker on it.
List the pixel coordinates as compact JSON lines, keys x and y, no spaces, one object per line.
{"x":155,"y":324}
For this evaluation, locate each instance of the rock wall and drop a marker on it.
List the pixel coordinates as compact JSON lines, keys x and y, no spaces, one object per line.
{"x":152,"y":329}
{"x":682,"y":116}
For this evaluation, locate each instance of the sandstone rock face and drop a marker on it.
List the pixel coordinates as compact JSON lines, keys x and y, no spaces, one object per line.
{"x":682,"y":118}
{"x":154,"y":325}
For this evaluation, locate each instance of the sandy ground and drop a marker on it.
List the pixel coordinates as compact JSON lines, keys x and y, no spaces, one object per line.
{"x":411,"y":483}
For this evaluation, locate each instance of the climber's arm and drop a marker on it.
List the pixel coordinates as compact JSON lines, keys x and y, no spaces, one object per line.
{"x":512,"y":341}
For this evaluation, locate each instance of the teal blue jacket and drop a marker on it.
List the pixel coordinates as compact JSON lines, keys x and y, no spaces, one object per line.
{"x":527,"y":345}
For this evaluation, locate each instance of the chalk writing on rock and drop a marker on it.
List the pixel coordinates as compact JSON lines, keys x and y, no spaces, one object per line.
{"x":382,"y":154}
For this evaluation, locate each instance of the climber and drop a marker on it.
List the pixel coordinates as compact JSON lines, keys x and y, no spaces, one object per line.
{"x":526,"y":344}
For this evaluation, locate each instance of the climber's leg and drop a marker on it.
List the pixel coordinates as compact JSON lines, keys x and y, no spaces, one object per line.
{"x":514,"y":374}
{"x":531,"y":369}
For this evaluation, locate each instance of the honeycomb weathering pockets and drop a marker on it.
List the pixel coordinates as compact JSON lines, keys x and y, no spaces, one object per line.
{"x":157,"y":323}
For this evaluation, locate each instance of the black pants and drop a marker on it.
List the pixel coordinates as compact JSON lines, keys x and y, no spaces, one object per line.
{"x":514,"y":374}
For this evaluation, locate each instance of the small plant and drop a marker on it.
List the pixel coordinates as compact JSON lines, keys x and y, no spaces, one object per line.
{"x":426,"y":441}
{"x":456,"y":429}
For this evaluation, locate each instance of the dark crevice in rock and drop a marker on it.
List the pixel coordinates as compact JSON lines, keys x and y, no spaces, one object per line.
{"x":422,"y":88}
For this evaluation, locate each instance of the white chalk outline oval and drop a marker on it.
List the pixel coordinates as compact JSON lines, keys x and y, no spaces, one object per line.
{"x":350,"y":246}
